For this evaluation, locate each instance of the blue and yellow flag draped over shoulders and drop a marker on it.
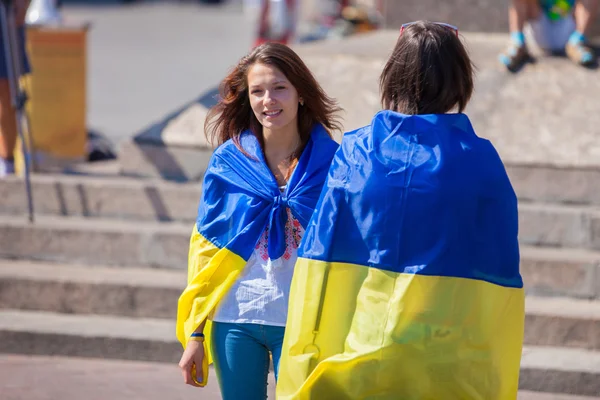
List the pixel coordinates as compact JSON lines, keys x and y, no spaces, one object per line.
{"x":407,"y":284}
{"x":240,"y":198}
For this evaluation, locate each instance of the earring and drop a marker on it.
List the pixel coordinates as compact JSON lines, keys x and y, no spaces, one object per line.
{"x":301,"y":102}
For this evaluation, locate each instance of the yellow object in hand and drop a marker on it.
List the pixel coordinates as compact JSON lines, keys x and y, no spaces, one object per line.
{"x":204,"y":365}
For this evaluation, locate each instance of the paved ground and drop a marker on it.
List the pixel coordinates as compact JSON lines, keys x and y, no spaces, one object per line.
{"x":54,"y":378}
{"x":150,"y":59}
{"x":59,"y":378}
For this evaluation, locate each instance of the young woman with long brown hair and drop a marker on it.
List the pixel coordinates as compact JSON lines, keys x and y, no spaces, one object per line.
{"x":273,"y":126}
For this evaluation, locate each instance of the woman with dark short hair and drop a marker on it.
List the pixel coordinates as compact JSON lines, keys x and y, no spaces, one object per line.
{"x":273,"y":124}
{"x":407,"y":284}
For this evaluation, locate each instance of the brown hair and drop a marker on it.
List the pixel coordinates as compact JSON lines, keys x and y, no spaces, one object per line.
{"x":233,"y":115}
{"x":429,"y":72}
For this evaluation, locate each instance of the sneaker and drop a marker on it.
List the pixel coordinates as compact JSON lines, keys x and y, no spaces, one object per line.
{"x":515,"y":56}
{"x":6,"y":167}
{"x":580,"y":53}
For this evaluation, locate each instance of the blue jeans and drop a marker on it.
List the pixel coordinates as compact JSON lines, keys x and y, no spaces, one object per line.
{"x":241,"y":357}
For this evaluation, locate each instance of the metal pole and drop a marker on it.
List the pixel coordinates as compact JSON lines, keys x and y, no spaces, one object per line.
{"x":18,"y":97}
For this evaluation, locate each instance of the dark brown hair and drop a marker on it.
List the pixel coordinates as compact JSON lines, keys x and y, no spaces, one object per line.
{"x":429,"y":72}
{"x":233,"y":115}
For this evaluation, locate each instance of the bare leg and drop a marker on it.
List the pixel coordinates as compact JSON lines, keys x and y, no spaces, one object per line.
{"x":585,"y":14}
{"x":521,"y":11}
{"x":264,"y":27}
{"x":263,"y":23}
{"x":577,"y":49}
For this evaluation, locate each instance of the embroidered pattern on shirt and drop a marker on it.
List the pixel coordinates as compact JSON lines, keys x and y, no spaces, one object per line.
{"x":293,"y":236}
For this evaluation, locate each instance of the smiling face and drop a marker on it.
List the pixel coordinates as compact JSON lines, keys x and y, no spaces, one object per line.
{"x":274,"y":100}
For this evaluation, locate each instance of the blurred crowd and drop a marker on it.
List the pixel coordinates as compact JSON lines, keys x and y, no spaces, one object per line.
{"x":330,"y":18}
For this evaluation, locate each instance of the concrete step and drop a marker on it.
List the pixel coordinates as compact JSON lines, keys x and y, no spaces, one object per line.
{"x":96,"y":241}
{"x":529,"y":395}
{"x":561,"y":272}
{"x":547,"y":224}
{"x":156,"y":199}
{"x":150,"y":293}
{"x":102,"y":197}
{"x":559,"y":225}
{"x":45,"y":333}
{"x":562,"y":322}
{"x":555,"y":185}
{"x":76,"y":289}
{"x":560,"y":370}
{"x":76,"y":240}
{"x":547,"y":369}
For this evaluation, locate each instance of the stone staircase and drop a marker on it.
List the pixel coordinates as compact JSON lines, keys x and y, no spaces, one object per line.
{"x":99,"y":272}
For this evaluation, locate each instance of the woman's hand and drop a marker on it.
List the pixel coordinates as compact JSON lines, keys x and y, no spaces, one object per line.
{"x":193,"y":355}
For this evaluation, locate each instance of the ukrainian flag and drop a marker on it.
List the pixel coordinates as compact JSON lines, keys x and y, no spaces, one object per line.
{"x":407,"y":284}
{"x":240,"y":199}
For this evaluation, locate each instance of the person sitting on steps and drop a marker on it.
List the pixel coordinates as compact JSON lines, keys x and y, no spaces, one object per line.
{"x":556,"y":25}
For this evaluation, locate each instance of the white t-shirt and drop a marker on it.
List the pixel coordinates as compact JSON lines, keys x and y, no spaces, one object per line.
{"x":260,"y":295}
